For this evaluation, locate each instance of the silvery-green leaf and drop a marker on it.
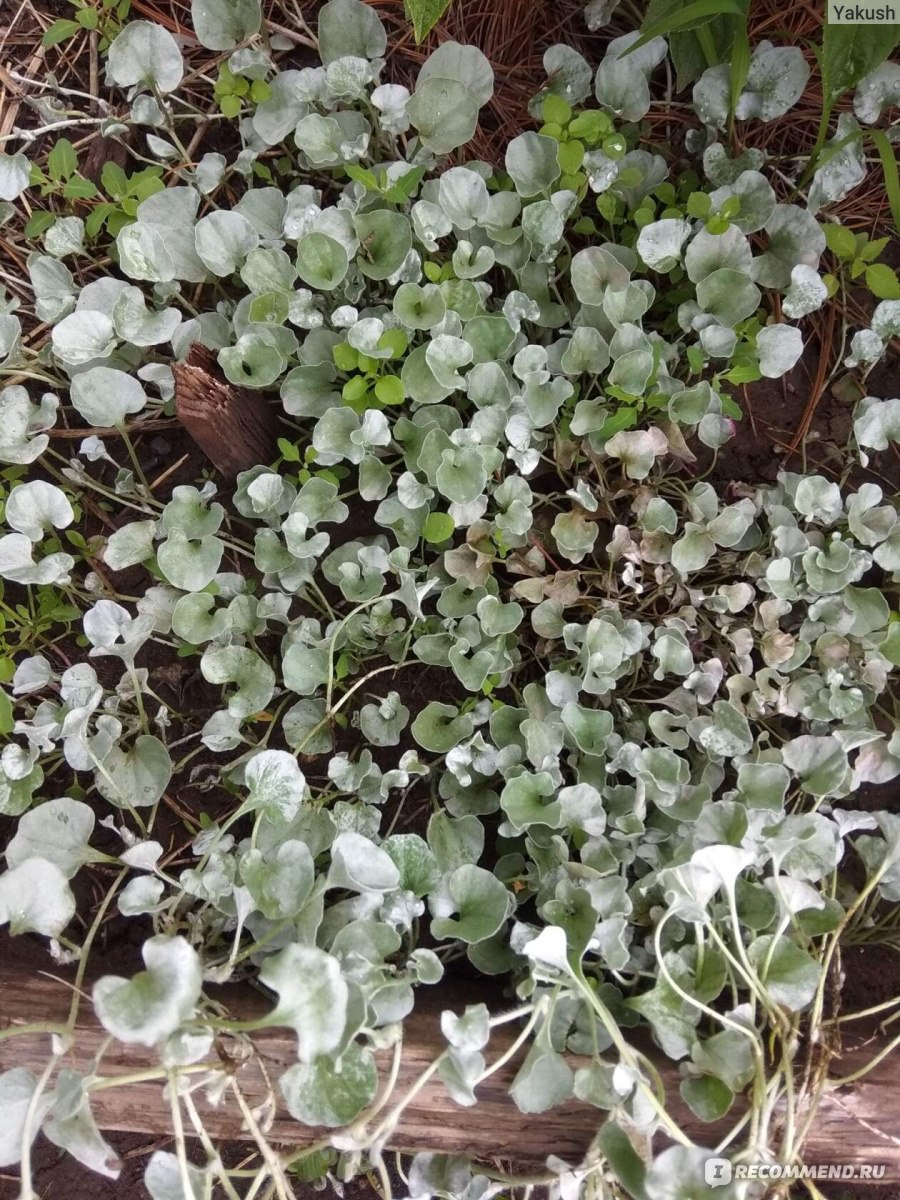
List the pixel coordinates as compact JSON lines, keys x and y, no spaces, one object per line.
{"x":886,"y":319}
{"x":349,"y":28}
{"x":221,"y":24}
{"x":140,"y":895}
{"x":321,"y":261}
{"x":164,"y":1178}
{"x":637,"y":449}
{"x":275,"y":784}
{"x":775,"y":82}
{"x":150,"y":1006}
{"x":57,"y":831}
{"x":381,"y":724}
{"x":254,"y":677}
{"x":390,"y":99}
{"x":820,"y":763}
{"x":444,"y":113}
{"x":18,"y":565}
{"x":210,"y":172}
{"x":325,"y":1094}
{"x":532,"y":162}
{"x":277,"y":117}
{"x":32,"y":508}
{"x":693,"y":550}
{"x":480,"y":901}
{"x":463,"y":63}
{"x":659,"y":243}
{"x":728,"y":295}
{"x":358,"y":865}
{"x":439,"y":727}
{"x":17,"y":1088}
{"x":419,"y":307}
{"x":544,"y":1080}
{"x":280,"y":882}
{"x":709,"y":252}
{"x":679,"y":1173}
{"x":622,"y":78}
{"x":843,"y":166}
{"x":756,"y":196}
{"x":385,"y":239}
{"x":780,"y":348}
{"x":587,"y":351}
{"x":35,"y":897}
{"x":876,"y":423}
{"x":143,"y":253}
{"x":593,"y":270}
{"x":877,"y":91}
{"x":568,"y":73}
{"x":145,"y":52}
{"x":788,"y":974}
{"x":129,"y":545}
{"x":711,"y":95}
{"x":106,"y":396}
{"x":543,"y":226}
{"x":137,"y":325}
{"x":53,"y":286}
{"x":806,"y":294}
{"x":574,"y":535}
{"x":82,"y":336}
{"x":728,"y":734}
{"x":76,"y":1131}
{"x":172,"y":214}
{"x":794,"y":237}
{"x":189,"y":563}
{"x":20,"y":421}
{"x":258,"y":357}
{"x":135,"y":778}
{"x":15,"y":171}
{"x":463,"y":196}
{"x":65,"y":236}
{"x":223,"y":240}
{"x":312,"y":998}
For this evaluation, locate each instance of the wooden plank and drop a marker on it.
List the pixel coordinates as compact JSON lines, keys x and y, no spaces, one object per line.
{"x":859,"y":1123}
{"x":235,"y":427}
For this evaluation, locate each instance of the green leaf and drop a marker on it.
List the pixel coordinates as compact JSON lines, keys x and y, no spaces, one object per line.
{"x":39,"y":222}
{"x":707,"y":1096}
{"x":424,"y":15}
{"x":389,"y":390}
{"x":851,"y":51}
{"x":627,"y":1164}
{"x":840,"y":241}
{"x":688,"y":16}
{"x":889,"y":168}
{"x":882,"y":281}
{"x":60,"y":31}
{"x":438,"y":528}
{"x":62,"y":161}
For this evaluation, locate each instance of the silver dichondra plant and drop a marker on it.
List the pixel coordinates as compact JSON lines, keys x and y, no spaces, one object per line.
{"x":657,"y":699}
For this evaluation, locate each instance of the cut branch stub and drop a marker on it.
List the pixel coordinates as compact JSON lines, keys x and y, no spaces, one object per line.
{"x":236,"y":428}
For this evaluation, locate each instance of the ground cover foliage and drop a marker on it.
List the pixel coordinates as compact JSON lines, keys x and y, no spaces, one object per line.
{"x":500,"y":390}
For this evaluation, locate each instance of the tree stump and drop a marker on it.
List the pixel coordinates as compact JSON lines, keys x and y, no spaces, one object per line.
{"x":235,"y":427}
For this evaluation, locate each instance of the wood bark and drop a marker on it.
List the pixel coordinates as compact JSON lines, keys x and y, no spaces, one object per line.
{"x":855,"y":1124}
{"x":236,"y":428}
